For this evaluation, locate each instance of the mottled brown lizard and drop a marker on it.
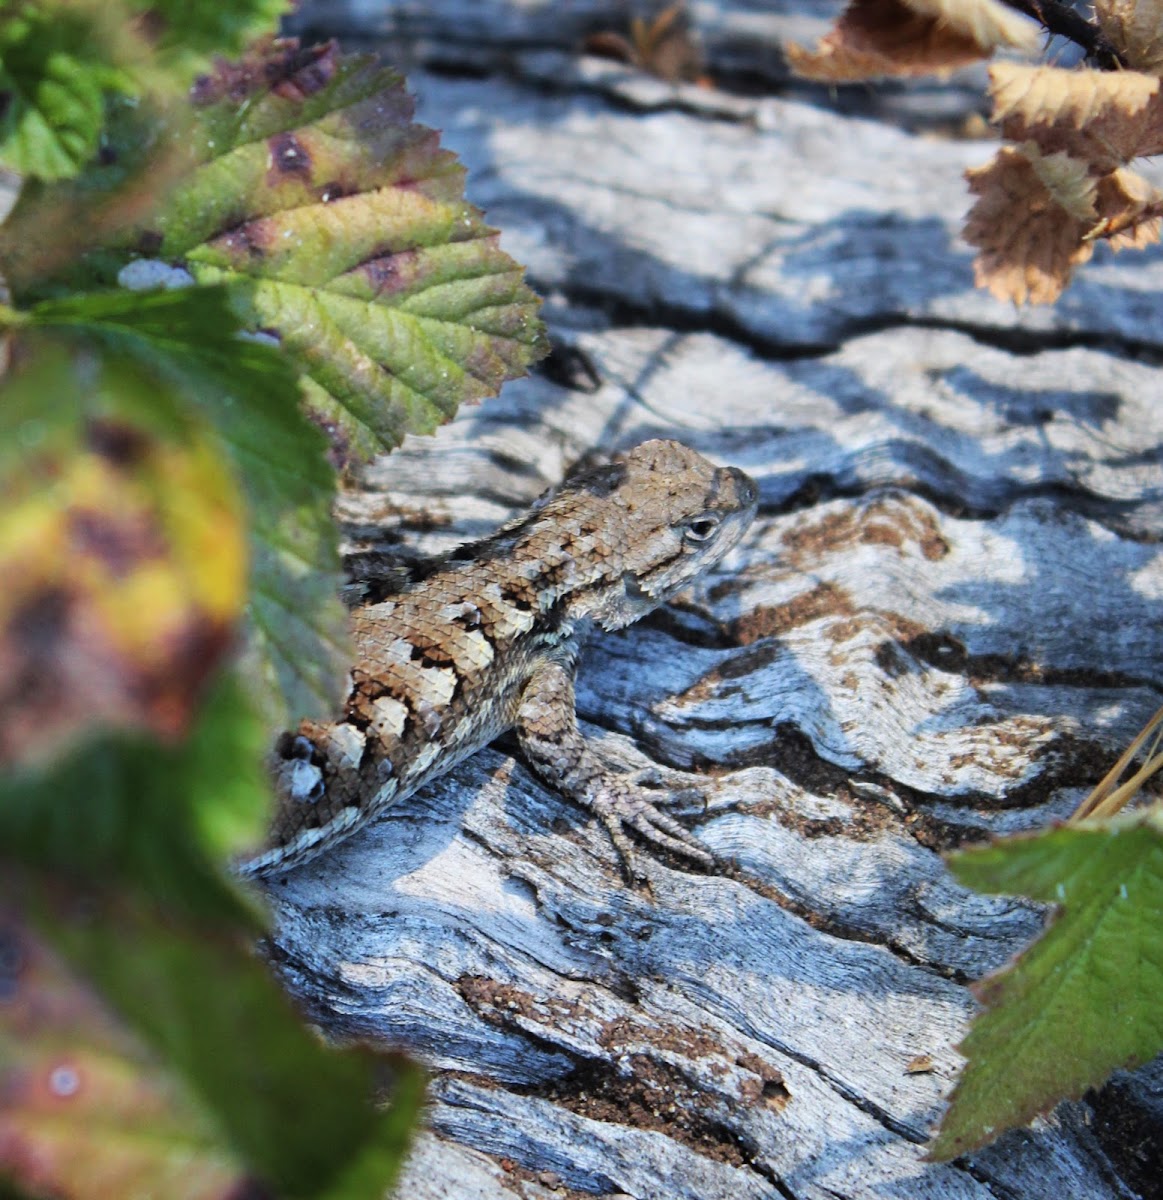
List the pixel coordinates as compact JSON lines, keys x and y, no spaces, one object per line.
{"x":488,"y":641}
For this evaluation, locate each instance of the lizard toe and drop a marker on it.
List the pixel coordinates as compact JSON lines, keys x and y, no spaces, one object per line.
{"x":631,"y":808}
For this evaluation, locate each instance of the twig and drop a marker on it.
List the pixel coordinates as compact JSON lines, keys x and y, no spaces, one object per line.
{"x":1065,"y":21}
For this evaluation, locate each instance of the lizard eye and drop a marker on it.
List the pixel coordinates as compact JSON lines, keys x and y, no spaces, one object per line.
{"x":701,"y":528}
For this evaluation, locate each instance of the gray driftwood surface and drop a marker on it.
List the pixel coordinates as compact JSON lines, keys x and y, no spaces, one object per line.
{"x":943,"y":625}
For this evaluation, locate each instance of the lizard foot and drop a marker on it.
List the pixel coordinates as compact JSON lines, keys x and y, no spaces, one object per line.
{"x":621,"y":805}
{"x":677,"y":792}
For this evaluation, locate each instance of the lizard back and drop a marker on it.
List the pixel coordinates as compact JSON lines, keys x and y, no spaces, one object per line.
{"x":440,"y":668}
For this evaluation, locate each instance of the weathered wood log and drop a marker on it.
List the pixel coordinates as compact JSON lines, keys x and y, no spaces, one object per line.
{"x":942,"y":626}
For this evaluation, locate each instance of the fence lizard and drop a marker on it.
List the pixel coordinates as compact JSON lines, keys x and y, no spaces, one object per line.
{"x":488,"y":640}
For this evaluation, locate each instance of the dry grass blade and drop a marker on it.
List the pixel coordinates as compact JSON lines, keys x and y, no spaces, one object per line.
{"x":648,"y":35}
{"x":663,"y":46}
{"x":1109,"y":796}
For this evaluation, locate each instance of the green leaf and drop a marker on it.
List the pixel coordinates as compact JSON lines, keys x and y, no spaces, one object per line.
{"x":297,"y":1111}
{"x":338,"y":223}
{"x":342,"y":229}
{"x":1084,"y":999}
{"x":298,"y":1114}
{"x":297,"y":651}
{"x":60,"y":60}
{"x":57,"y":65}
{"x":59,"y":236}
{"x":189,"y":34}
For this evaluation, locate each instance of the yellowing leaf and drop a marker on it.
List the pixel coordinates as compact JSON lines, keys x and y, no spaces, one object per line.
{"x":1135,"y":29}
{"x":910,"y":37}
{"x":1028,"y":243}
{"x":122,"y":552}
{"x":1103,"y":118}
{"x":298,"y":652}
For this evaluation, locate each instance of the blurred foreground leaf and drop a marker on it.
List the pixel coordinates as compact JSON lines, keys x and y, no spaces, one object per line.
{"x":61,"y":61}
{"x":58,"y":62}
{"x":188,"y":35}
{"x":251,"y":1084}
{"x":58,"y":235}
{"x":297,"y":650}
{"x":84,"y":1113}
{"x":122,"y":551}
{"x":1084,"y":999}
{"x":157,"y":817}
{"x":138,"y":830}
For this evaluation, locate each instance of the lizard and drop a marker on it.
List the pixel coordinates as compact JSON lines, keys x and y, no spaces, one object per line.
{"x":487,"y":640}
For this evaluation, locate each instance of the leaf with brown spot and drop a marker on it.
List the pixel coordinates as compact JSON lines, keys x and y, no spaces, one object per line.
{"x":342,"y":229}
{"x":122,"y":550}
{"x":1028,"y":244}
{"x":910,"y":37}
{"x":1102,"y":118}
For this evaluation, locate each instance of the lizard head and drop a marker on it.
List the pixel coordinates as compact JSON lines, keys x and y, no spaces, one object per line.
{"x":650,"y":522}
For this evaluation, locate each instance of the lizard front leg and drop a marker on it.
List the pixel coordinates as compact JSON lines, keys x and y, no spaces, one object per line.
{"x":550,"y":740}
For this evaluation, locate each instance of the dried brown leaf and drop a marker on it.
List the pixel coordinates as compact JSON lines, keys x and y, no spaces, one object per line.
{"x":1135,"y":29}
{"x":909,"y":37}
{"x":1129,"y":210}
{"x":882,"y":37}
{"x":1104,"y":118}
{"x":1028,"y":244}
{"x":677,"y":58}
{"x":990,"y":24}
{"x":607,"y":44}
